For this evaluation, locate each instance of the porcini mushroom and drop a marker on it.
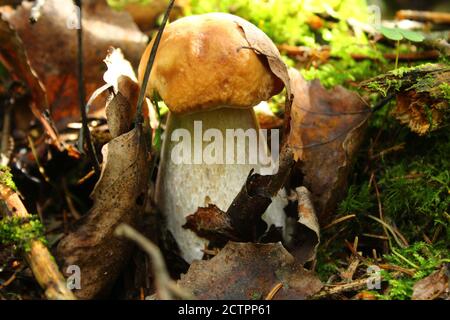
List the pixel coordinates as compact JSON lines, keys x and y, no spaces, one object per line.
{"x":208,"y":77}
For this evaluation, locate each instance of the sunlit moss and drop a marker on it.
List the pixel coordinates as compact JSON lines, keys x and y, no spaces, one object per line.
{"x":19,"y":232}
{"x":6,"y":178}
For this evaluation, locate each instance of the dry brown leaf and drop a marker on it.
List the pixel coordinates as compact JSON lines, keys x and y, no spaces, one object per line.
{"x":433,"y":286}
{"x":244,"y":271}
{"x":51,"y":44}
{"x":15,"y":59}
{"x":211,"y":223}
{"x":119,"y":197}
{"x":327,"y":128}
{"x":263,"y":45}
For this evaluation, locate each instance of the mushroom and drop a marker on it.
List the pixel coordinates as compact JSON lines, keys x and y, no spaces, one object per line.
{"x":210,"y":80}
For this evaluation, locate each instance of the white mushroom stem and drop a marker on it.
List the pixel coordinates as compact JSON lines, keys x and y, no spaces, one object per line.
{"x":210,"y":174}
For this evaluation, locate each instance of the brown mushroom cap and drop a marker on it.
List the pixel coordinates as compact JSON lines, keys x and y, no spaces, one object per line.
{"x":203,"y":62}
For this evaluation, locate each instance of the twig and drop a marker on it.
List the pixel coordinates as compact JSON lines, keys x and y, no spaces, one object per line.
{"x":347,"y":275}
{"x":324,"y":54}
{"x":375,"y":236}
{"x":166,"y":288}
{"x":388,"y":227}
{"x":339,"y":220}
{"x":36,"y":158}
{"x":86,"y":177}
{"x":380,"y":207}
{"x":9,"y":281}
{"x":38,"y":257}
{"x":397,"y":268}
{"x":274,"y":291}
{"x":412,"y":56}
{"x":352,"y":248}
{"x":5,"y":141}
{"x":352,"y":286}
{"x":69,"y":201}
{"x":35,"y":13}
{"x":86,"y":134}
{"x":430,"y":16}
{"x":382,"y":153}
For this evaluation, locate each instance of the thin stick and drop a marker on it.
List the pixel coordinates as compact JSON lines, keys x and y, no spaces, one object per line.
{"x":38,"y":257}
{"x":339,"y":220}
{"x":274,"y":291}
{"x":352,"y":286}
{"x":148,"y":69}
{"x":380,"y":207}
{"x":397,"y":46}
{"x":82,"y":96}
{"x":36,"y":158}
{"x":432,"y":16}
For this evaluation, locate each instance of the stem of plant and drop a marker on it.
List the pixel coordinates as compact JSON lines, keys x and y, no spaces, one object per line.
{"x":398,"y":54}
{"x":86,"y":134}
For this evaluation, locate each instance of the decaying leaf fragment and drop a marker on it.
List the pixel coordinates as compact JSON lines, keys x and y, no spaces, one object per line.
{"x":15,"y":60}
{"x":422,"y":95}
{"x":51,"y":45}
{"x":327,"y":128}
{"x":433,"y":286}
{"x":249,"y":271}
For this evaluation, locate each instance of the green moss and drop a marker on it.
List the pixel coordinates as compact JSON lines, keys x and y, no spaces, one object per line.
{"x":423,"y":258}
{"x":6,"y":178}
{"x":20,"y":232}
{"x":445,"y":89}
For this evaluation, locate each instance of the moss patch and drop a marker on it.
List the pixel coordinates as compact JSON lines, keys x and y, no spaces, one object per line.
{"x":20,"y":232}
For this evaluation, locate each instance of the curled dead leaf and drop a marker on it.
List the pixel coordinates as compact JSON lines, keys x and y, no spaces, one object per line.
{"x":306,"y":232}
{"x":263,"y":45}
